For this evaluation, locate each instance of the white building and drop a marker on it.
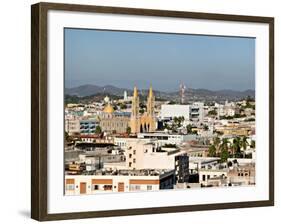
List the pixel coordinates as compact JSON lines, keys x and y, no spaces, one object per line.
{"x":119,"y":181}
{"x":121,"y":142}
{"x":228,"y":109}
{"x":72,"y":125}
{"x":163,"y":139}
{"x":197,"y":163}
{"x":196,"y":112}
{"x":141,"y":154}
{"x":207,"y":175}
{"x":175,"y":110}
{"x":193,"y":113}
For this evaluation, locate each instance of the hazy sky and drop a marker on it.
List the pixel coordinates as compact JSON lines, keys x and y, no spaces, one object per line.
{"x":125,"y":59}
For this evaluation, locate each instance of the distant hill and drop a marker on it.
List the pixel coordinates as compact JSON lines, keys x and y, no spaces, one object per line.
{"x":191,"y":94}
{"x":88,"y":90}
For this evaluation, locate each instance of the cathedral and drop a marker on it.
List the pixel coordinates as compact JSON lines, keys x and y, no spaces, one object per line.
{"x":143,"y":122}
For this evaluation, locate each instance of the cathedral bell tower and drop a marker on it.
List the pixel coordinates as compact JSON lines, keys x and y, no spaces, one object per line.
{"x":134,"y":123}
{"x":147,"y":121}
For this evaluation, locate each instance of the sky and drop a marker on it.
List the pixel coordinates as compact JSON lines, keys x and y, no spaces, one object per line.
{"x":125,"y":59}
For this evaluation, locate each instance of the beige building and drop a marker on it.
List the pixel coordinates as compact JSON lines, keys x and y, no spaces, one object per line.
{"x":242,"y":175}
{"x":209,"y":176}
{"x":113,"y":122}
{"x":72,"y":126}
{"x":122,"y":181}
{"x":147,"y":121}
{"x":235,"y":129}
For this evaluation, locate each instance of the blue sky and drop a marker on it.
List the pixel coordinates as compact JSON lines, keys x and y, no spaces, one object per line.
{"x":125,"y":59}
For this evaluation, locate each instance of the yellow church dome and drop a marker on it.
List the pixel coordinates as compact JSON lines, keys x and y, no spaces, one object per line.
{"x":108,"y":109}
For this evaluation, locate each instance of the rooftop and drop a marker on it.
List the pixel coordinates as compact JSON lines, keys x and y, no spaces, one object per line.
{"x":144,"y":172}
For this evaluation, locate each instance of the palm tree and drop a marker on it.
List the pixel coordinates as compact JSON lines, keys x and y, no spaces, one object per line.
{"x":244,"y":144}
{"x":224,"y":154}
{"x":189,"y":129}
{"x":98,"y":130}
{"x":236,"y":146}
{"x":224,"y":144}
{"x":253,"y":144}
{"x":217,"y":142}
{"x":205,"y":127}
{"x":212,"y":151}
{"x":128,"y":130}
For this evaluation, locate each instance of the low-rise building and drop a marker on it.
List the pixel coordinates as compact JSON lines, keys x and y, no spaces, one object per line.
{"x":72,"y":125}
{"x":88,"y":127}
{"x":174,"y":110}
{"x":208,"y":174}
{"x":163,"y":138}
{"x":242,"y":175}
{"x":193,"y":113}
{"x":119,"y":181}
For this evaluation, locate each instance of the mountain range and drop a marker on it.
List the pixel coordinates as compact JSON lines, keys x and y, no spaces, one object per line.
{"x":89,"y":90}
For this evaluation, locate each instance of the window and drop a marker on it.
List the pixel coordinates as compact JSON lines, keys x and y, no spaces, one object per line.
{"x":134,"y":152}
{"x":130,"y":155}
{"x":134,"y":160}
{"x":149,"y":187}
{"x":208,"y":177}
{"x":95,"y":187}
{"x":107,"y":187}
{"x":130,"y":164}
{"x":134,"y":187}
{"x":70,"y":187}
{"x":204,"y":177}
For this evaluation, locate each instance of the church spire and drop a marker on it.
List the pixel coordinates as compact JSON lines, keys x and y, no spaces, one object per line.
{"x":150,"y":94}
{"x":150,"y":102}
{"x":135,"y":92}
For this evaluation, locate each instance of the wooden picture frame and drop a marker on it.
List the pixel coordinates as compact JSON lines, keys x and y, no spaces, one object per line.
{"x":39,"y":109}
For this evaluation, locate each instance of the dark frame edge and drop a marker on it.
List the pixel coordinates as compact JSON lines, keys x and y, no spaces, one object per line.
{"x":271,"y":111}
{"x":38,"y":112}
{"x":154,"y":12}
{"x":39,"y":122}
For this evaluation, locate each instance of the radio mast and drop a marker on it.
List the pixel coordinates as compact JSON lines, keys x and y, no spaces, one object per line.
{"x":182,"y":93}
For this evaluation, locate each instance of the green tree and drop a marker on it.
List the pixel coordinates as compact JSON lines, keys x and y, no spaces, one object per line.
{"x":128,"y":130}
{"x":205,"y":127}
{"x":244,"y":142}
{"x":217,"y":142}
{"x":212,"y":112}
{"x":189,"y":129}
{"x":224,"y":144}
{"x":236,"y":147}
{"x":224,"y":155}
{"x":178,"y":120}
{"x":123,"y":106}
{"x":212,"y":151}
{"x":98,"y":130}
{"x":253,"y":144}
{"x":66,"y":136}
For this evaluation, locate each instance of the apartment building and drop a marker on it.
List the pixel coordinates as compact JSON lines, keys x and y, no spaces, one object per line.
{"x":144,"y":154}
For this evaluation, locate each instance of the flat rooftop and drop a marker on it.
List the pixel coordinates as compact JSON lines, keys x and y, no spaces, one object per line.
{"x":143,"y":172}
